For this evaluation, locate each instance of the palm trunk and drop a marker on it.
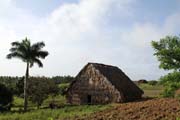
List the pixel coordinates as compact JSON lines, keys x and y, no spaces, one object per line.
{"x":25,"y":87}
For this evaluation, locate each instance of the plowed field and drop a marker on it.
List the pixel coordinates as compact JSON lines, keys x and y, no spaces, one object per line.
{"x":152,"y":109}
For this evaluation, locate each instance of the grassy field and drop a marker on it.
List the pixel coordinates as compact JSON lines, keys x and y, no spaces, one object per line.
{"x":18,"y":103}
{"x":151,"y":90}
{"x":66,"y":112}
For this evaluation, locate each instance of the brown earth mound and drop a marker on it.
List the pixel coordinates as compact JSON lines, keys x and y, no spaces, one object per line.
{"x":154,"y":109}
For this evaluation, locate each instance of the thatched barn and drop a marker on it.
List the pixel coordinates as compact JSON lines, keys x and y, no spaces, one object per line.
{"x":101,"y":84}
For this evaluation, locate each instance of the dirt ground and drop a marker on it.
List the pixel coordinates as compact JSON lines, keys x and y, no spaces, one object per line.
{"x":151,"y":109}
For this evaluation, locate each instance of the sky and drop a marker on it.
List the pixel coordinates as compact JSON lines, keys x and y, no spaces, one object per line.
{"x":114,"y":32}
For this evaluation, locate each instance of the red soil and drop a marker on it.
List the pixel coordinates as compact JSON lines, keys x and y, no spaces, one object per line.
{"x":154,"y":109}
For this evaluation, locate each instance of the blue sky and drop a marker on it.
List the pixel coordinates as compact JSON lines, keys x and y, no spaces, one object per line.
{"x":41,"y":7}
{"x":76,"y":32}
{"x":156,"y":10}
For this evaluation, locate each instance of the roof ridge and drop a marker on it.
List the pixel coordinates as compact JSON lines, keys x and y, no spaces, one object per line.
{"x":101,"y":64}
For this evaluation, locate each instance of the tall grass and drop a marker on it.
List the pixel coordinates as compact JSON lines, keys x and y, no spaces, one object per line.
{"x":67,"y":112}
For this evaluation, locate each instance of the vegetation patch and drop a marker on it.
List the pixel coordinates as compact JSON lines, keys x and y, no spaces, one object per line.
{"x":152,"y":90}
{"x":66,"y":112}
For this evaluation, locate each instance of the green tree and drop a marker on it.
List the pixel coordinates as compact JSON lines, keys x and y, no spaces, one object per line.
{"x":30,"y":54}
{"x":167,"y":51}
{"x":9,"y":82}
{"x":40,"y":88}
{"x":6,"y":97}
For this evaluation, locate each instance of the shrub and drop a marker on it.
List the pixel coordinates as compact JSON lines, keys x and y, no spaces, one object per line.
{"x":6,"y":98}
{"x":170,"y":78}
{"x":153,"y":82}
{"x":171,"y":82}
{"x":170,"y":90}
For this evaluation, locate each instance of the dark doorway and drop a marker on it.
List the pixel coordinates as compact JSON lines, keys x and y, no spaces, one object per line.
{"x":89,"y":99}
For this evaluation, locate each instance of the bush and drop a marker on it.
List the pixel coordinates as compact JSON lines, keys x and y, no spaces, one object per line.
{"x":170,"y":78}
{"x":171,"y":82}
{"x":6,"y":98}
{"x":170,"y":90}
{"x":153,"y":82}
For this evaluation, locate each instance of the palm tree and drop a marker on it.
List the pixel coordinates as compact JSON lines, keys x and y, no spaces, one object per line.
{"x":29,"y":54}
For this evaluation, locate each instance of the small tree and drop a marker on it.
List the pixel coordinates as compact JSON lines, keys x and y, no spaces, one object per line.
{"x":39,"y":88}
{"x":37,"y":91}
{"x":6,"y":97}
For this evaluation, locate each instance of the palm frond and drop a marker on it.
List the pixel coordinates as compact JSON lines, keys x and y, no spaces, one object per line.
{"x":38,"y":46}
{"x":42,"y":54}
{"x":37,"y":61}
{"x":16,"y":44}
{"x":13,"y":49}
{"x":15,"y":55}
{"x":20,"y":49}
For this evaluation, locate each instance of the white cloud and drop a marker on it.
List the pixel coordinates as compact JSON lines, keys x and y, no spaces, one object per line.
{"x":77,"y":33}
{"x":138,"y":42}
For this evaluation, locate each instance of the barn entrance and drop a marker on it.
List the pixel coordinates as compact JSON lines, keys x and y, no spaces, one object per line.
{"x":89,"y":99}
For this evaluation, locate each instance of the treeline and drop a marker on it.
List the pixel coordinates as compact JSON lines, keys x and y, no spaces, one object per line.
{"x":12,"y":81}
{"x":9,"y":81}
{"x":62,"y":79}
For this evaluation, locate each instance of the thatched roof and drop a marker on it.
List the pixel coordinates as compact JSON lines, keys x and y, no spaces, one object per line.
{"x":119,"y":79}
